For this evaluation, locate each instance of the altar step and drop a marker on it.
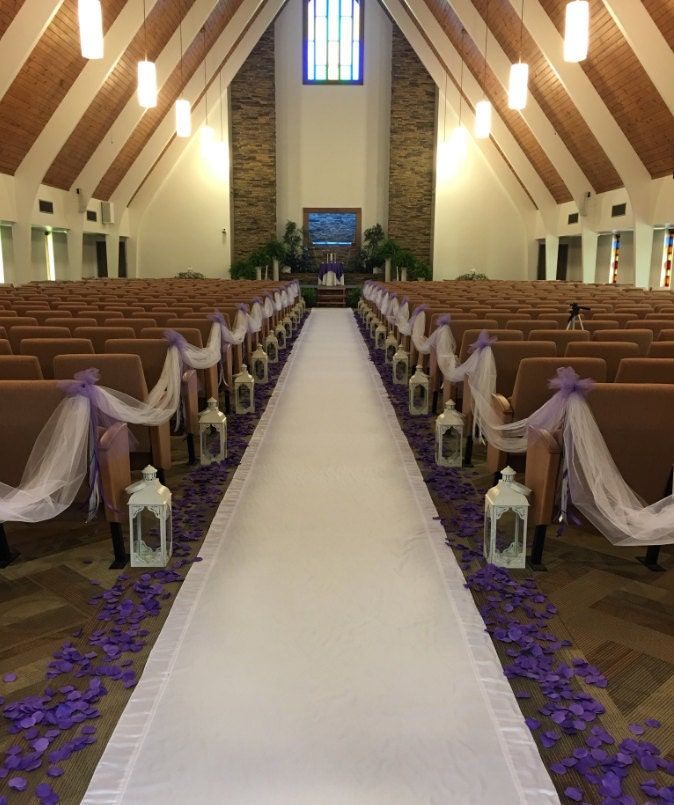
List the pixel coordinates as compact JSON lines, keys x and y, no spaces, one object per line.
{"x":334,"y":296}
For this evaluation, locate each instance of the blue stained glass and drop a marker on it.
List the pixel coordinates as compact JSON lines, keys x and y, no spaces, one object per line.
{"x":333,"y":41}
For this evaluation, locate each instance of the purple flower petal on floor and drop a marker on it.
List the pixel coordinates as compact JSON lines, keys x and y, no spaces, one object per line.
{"x":9,"y":678}
{"x":18,"y":783}
{"x":636,"y":729}
{"x":652,"y":722}
{"x":574,"y":793}
{"x":54,"y":771}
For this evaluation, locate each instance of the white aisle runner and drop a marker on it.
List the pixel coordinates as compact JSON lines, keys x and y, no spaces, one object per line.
{"x":326,"y":651}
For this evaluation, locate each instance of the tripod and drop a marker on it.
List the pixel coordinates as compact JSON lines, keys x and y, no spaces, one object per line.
{"x":575,"y":321}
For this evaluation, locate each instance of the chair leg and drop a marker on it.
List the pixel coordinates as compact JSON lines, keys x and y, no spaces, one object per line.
{"x":121,"y":556}
{"x":650,"y":560}
{"x":535,"y":560}
{"x":7,"y":555}
{"x":434,"y":407}
{"x":468,"y":453}
{"x":191,"y":455}
{"x":161,"y":475}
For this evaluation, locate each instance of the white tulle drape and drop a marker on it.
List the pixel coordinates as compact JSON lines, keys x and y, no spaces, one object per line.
{"x":63,"y":452}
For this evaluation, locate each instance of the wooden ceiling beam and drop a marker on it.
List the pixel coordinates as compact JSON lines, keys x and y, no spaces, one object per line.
{"x":115,"y":138}
{"x":588,"y":101}
{"x":24,"y":32}
{"x":163,"y":148}
{"x":647,"y":42}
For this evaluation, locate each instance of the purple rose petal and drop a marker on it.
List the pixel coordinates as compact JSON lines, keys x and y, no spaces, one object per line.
{"x":574,"y":793}
{"x":9,"y":678}
{"x":18,"y":783}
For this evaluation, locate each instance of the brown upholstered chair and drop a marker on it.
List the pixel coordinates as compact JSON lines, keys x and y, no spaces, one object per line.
{"x":73,"y":323}
{"x":666,"y":335}
{"x":99,"y":335}
{"x":20,"y":367}
{"x":135,"y":324}
{"x":612,"y":352}
{"x":18,"y":334}
{"x":527,"y":325}
{"x":46,"y":349}
{"x":642,"y":338}
{"x":471,"y":336}
{"x":161,"y":318}
{"x":618,"y":409}
{"x":661,"y":349}
{"x":152,"y":354}
{"x":5,"y":347}
{"x":9,"y":322}
{"x":593,"y":325}
{"x":656,"y":326}
{"x":646,"y":370}
{"x":125,"y":373}
{"x":530,"y":390}
{"x":42,"y":315}
{"x":561,"y":338}
{"x":25,"y":408}
{"x":101,"y":316}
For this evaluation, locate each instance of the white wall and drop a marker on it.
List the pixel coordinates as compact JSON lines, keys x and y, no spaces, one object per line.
{"x":332,"y":142}
{"x":477,"y":225}
{"x":181,"y":227}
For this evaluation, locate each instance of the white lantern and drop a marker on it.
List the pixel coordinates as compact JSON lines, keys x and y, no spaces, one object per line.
{"x":259,"y":364}
{"x":418,"y":393}
{"x":390,"y":347}
{"x":449,"y":437}
{"x":288,"y":326}
{"x":505,"y":522}
{"x":281,"y":335}
{"x":213,"y":433}
{"x":295,"y":317}
{"x":380,"y":336}
{"x":271,"y":347}
{"x":401,"y":366}
{"x":244,"y":392}
{"x":150,"y":523}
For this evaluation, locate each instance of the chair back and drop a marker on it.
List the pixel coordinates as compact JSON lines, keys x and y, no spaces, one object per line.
{"x":20,"y":367}
{"x":612,"y":352}
{"x":642,"y":338}
{"x":471,"y":336}
{"x":661,"y":349}
{"x":99,"y":335}
{"x":509,"y":354}
{"x":560,"y":338}
{"x":46,"y":349}
{"x":18,"y":334}
{"x":646,"y":370}
{"x":152,"y":354}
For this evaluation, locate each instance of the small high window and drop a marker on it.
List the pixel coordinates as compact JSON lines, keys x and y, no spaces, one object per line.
{"x":667,"y":258}
{"x":333,"y":42}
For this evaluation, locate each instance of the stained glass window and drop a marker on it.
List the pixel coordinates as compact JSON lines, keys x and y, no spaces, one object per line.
{"x":615,"y":259}
{"x":667,"y":260}
{"x":333,"y":44}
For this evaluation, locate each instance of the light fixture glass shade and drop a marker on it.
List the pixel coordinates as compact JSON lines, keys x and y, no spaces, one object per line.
{"x":183,"y":118}
{"x":518,"y":85}
{"x":147,"y":84}
{"x":219,"y":155}
{"x":482,"y":120}
{"x":207,"y":139}
{"x":91,"y":28}
{"x":576,"y":30}
{"x":458,"y":143}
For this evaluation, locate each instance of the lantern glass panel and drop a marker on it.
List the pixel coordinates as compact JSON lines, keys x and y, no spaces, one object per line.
{"x":509,"y":549}
{"x":450,"y":443}
{"x":418,"y":396}
{"x":401,"y":370}
{"x":272,"y":352}
{"x":146,"y":543}
{"x":244,"y":396}
{"x":211,"y":442}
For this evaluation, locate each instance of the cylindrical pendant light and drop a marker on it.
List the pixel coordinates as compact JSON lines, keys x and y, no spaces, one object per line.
{"x":518,"y":85}
{"x":147,"y":84}
{"x":91,"y":28}
{"x":459,"y":137}
{"x":483,"y":108}
{"x":519,"y":76}
{"x":576,"y":30}
{"x":183,"y":107}
{"x":147,"y":75}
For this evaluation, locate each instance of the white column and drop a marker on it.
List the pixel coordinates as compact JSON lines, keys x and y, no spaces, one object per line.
{"x":589,"y":242}
{"x":112,"y":249}
{"x":75,"y":248}
{"x":551,"y":254}
{"x":643,"y":253}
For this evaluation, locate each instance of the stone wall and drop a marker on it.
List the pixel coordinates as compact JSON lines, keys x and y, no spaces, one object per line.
{"x":253,"y":148}
{"x":411,"y":174}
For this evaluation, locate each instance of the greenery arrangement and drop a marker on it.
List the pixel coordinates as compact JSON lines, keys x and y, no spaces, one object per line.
{"x":309,"y":295}
{"x":472,"y":275}
{"x":353,"y":297}
{"x":190,"y":275}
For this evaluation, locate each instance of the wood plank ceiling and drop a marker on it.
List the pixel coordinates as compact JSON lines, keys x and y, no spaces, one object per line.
{"x":612,"y":67}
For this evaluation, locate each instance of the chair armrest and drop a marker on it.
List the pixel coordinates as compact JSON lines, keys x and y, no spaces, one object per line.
{"x":501,"y":404}
{"x":115,"y":466}
{"x":544,"y":458}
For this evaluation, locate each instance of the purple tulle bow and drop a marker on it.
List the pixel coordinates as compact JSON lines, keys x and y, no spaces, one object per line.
{"x":242,"y":307}
{"x":568,"y":382}
{"x":483,"y":340}
{"x":83,"y":383}
{"x":175,"y":340}
{"x":444,"y":319}
{"x":256,"y":300}
{"x":217,"y":317}
{"x":417,"y":310}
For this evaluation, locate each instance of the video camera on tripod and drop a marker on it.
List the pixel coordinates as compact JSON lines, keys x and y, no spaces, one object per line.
{"x":575,"y":318}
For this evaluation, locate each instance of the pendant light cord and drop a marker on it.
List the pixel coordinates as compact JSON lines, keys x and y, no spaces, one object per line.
{"x":444,"y":118}
{"x":463,"y":35}
{"x":486,"y":40}
{"x":521,"y":30}
{"x":145,"y":29}
{"x":222,"y":130}
{"x":180,"y":31}
{"x":203,"y":31}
